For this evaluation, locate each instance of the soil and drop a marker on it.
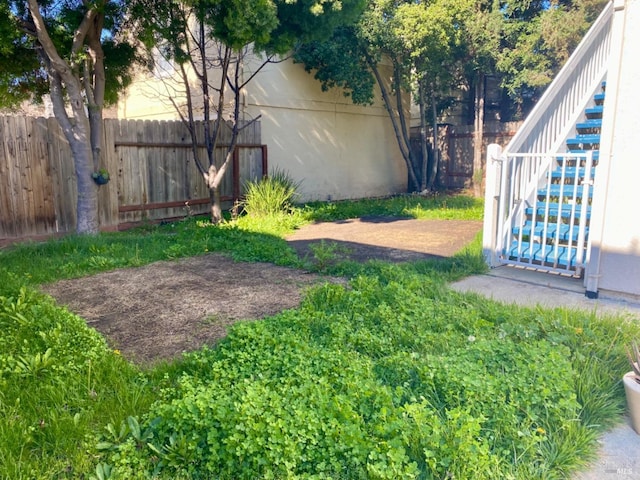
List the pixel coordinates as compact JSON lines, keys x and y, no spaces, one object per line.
{"x":159,"y":311}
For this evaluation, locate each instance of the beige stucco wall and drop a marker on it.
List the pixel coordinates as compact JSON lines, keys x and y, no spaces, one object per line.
{"x":616,"y":243}
{"x":336,"y":150}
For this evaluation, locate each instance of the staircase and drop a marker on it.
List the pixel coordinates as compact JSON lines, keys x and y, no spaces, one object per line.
{"x":539,"y":188}
{"x":553,"y":230}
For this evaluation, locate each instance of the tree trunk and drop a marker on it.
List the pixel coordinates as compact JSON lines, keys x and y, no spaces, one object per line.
{"x":397,"y":122}
{"x":87,"y":204}
{"x":216,"y":205}
{"x":478,"y":135}
{"x":423,"y":139}
{"x":436,"y":151}
{"x":214,"y":178}
{"x":94,"y":90}
{"x":65,"y":84}
{"x":78,"y":135}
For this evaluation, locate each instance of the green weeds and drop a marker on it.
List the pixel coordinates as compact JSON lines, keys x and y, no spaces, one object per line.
{"x":58,"y":383}
{"x":436,"y":207}
{"x":394,"y":376}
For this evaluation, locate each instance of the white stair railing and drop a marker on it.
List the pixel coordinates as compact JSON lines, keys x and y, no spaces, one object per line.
{"x":548,"y":230}
{"x":540,"y":138}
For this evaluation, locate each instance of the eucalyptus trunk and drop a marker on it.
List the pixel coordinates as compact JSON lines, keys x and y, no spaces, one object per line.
{"x":69,"y":89}
{"x":478,"y":135}
{"x":436,"y":152}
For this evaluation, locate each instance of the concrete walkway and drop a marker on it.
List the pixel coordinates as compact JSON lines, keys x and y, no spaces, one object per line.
{"x":619,"y":455}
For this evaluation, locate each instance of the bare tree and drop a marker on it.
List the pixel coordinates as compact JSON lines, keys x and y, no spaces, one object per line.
{"x":210,"y":44}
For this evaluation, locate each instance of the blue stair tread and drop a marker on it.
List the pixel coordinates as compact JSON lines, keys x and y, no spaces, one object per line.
{"x":587,"y":137}
{"x":543,"y":253}
{"x":567,"y":191}
{"x":570,"y":172}
{"x":564,"y":231}
{"x":589,"y":124}
{"x":599,"y":98}
{"x":594,"y":112}
{"x":584,"y":139}
{"x":565,"y":211}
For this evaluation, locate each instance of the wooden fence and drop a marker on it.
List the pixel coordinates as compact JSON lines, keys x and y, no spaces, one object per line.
{"x":456,"y":150}
{"x":457,"y":168}
{"x":153,"y":175}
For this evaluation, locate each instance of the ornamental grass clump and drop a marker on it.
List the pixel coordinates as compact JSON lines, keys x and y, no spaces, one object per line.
{"x":272,"y":195}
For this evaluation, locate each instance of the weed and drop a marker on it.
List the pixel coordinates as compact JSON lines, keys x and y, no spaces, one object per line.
{"x":326,"y":254}
{"x":394,"y":376}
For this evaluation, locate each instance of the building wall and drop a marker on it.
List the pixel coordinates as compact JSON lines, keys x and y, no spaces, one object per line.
{"x":336,"y":150}
{"x":616,"y":263}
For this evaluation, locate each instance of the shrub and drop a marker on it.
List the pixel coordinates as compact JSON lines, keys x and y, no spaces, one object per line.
{"x":270,"y":195}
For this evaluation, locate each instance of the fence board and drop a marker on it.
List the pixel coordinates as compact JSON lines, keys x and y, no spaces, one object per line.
{"x":153,"y":175}
{"x":17,"y":149}
{"x":456,"y":145}
{"x":7,"y":218}
{"x":108,"y":194}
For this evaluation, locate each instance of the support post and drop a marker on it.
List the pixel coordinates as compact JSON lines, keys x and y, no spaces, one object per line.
{"x":493,"y":168}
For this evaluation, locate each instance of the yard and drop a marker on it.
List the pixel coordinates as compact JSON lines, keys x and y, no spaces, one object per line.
{"x":359,"y":368}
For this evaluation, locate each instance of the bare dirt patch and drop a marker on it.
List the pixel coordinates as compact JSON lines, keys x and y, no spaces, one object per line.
{"x":161,"y":310}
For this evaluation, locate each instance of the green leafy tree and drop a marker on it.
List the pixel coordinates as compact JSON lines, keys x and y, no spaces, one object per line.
{"x":68,"y":50}
{"x":218,"y":47}
{"x":418,"y":40}
{"x":525,"y":43}
{"x":537,"y":39}
{"x":433,"y":37}
{"x":437,"y":46}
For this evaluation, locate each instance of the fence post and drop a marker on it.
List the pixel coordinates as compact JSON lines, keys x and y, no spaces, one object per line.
{"x":493,"y":167}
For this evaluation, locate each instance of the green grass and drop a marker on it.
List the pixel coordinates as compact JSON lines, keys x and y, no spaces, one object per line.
{"x":436,"y":207}
{"x":395,"y":376}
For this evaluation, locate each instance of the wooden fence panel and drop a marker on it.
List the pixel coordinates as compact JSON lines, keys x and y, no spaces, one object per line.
{"x":26,"y":193}
{"x":153,"y":174}
{"x":63,"y":179}
{"x":456,"y":145}
{"x":250,"y":165}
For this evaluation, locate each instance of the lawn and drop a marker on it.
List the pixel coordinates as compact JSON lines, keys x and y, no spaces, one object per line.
{"x":394,"y":376}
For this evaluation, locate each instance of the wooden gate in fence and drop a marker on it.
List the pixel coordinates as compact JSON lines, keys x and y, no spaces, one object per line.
{"x":153,"y":175}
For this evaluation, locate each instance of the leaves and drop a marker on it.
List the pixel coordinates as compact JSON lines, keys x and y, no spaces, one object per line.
{"x":392,"y":377}
{"x":22,"y":71}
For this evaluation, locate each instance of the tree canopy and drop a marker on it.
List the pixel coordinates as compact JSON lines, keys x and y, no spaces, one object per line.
{"x":422,"y":43}
{"x":438,"y":46}
{"x":537,"y":38}
{"x":70,"y":50}
{"x":71,"y":25}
